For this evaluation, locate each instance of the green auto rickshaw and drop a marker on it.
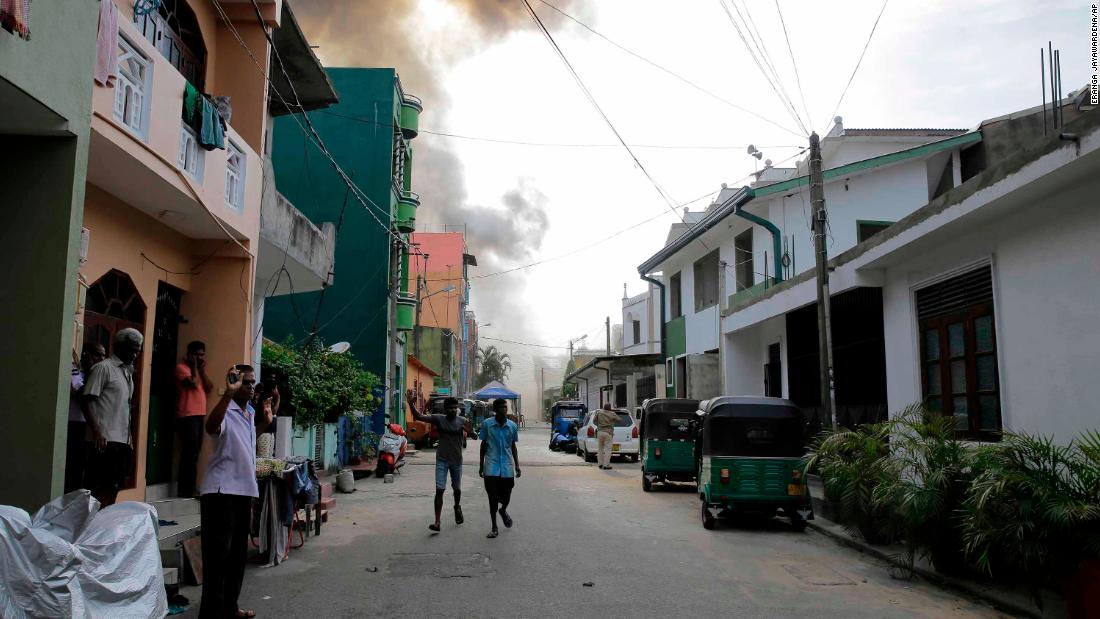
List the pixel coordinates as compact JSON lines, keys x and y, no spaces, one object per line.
{"x":751,"y":459}
{"x":668,"y":430}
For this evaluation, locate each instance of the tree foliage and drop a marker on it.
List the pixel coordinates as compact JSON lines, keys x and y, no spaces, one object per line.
{"x":495,"y":365}
{"x":319,"y":385}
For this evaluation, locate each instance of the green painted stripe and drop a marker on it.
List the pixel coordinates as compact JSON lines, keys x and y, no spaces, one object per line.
{"x":876,"y":162}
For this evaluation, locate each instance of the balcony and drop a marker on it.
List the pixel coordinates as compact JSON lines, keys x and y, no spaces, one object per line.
{"x":747,"y":293}
{"x":405,"y":219}
{"x":142,"y":153}
{"x":289,"y":240}
{"x":406,"y":311}
{"x":411,"y":107}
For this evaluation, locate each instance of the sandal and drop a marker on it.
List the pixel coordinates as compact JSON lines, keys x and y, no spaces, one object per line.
{"x":506,"y":519}
{"x":458,"y":515}
{"x":493,"y":534}
{"x":246,"y":613}
{"x":434,"y":527}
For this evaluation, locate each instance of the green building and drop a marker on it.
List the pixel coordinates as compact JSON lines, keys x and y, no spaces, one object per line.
{"x":46,"y":98}
{"x":367,"y":305}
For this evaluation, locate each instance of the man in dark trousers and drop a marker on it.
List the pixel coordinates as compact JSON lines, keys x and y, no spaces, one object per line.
{"x":75,"y":450}
{"x":106,"y":403}
{"x":227,"y":492}
{"x":192,"y":387}
{"x":448,"y":454}
{"x":499,"y":462}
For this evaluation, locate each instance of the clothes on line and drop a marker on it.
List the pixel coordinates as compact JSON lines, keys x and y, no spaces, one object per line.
{"x":15,"y":17}
{"x":106,"y":45}
{"x":201,"y":114}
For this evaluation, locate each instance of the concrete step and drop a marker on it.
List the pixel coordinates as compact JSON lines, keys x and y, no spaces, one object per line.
{"x":168,"y":509}
{"x":171,"y":576}
{"x":328,"y":503}
{"x":170,"y":535}
{"x":326,"y":489}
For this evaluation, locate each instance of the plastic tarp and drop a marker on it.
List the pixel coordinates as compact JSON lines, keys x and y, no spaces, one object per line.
{"x":495,"y":389}
{"x":73,"y":559}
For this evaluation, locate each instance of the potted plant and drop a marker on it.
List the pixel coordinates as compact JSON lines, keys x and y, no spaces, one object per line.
{"x":852,"y":465}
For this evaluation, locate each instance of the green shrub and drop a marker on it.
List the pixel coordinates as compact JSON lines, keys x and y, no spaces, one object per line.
{"x":322,"y":385}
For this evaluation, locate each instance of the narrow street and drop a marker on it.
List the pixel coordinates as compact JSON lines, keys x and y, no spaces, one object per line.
{"x":645,"y":555}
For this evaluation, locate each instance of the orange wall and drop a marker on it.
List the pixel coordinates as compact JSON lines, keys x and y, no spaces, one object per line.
{"x":216,"y":300}
{"x":443,"y":249}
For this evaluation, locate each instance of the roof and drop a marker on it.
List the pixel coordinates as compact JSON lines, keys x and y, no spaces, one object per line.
{"x":495,"y":389}
{"x":312,"y":89}
{"x":632,"y":361}
{"x":916,"y":132}
{"x":736,"y":199}
{"x":742,"y":400}
{"x":421,"y":366}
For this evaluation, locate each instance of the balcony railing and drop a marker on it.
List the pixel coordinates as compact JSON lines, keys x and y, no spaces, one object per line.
{"x":157,"y":31}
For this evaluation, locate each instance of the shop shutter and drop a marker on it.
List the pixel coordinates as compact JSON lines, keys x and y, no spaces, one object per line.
{"x":956,"y":294}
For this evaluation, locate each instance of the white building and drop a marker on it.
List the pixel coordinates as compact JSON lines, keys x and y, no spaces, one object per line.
{"x":752,"y":238}
{"x":642,"y":322}
{"x":980,"y":302}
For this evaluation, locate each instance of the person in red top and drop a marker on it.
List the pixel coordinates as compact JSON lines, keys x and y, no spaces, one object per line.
{"x":192,"y":385}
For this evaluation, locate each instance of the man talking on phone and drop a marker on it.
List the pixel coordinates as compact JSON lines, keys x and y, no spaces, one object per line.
{"x":227,"y":491}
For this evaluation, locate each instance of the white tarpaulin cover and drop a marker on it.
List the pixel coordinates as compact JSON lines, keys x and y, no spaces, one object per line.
{"x":74,"y":560}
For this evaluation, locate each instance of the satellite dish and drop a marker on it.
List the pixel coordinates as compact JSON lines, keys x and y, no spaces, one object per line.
{"x":339,"y":347}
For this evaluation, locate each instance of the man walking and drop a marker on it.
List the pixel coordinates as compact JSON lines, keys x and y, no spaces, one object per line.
{"x":605,"y":434}
{"x":106,"y":406}
{"x":448,"y":454}
{"x":192,"y":386}
{"x":227,"y":491}
{"x":75,"y":451}
{"x":499,"y":463}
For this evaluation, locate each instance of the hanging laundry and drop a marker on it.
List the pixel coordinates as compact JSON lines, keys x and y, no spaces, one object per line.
{"x":191,"y":106}
{"x":106,"y":45}
{"x":212,"y":132}
{"x":15,"y":17}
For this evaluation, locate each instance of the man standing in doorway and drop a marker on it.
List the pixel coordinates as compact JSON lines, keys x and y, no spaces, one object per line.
{"x":75,"y":450}
{"x":192,"y":386}
{"x":448,"y":454}
{"x":605,"y":434}
{"x":499,"y":462}
{"x":227,"y":492}
{"x":108,"y":392}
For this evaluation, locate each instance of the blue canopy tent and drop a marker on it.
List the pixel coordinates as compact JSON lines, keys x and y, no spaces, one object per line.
{"x":496,"y":389}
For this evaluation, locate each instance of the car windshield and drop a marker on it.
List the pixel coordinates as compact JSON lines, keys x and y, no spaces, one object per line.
{"x":625,"y":420}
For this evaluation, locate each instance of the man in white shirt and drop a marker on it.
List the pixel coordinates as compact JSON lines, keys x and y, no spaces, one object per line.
{"x":106,"y":402}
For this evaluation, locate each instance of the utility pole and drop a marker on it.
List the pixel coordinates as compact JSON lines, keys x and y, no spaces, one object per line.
{"x":542,"y":389}
{"x":824,"y":326}
{"x":419,"y":291}
{"x":607,"y":326}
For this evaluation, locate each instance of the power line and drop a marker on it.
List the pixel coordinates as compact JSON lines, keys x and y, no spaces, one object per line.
{"x":669,"y":71}
{"x":497,"y":339}
{"x":860,"y":61}
{"x":794,"y":65}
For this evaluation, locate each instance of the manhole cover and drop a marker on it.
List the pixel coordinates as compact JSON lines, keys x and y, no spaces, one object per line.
{"x":439,"y":565}
{"x":817,"y":575}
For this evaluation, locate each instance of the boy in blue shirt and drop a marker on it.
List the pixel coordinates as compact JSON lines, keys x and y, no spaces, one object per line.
{"x":499,"y":462}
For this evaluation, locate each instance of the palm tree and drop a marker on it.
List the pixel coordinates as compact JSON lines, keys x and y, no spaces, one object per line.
{"x":495,"y":365}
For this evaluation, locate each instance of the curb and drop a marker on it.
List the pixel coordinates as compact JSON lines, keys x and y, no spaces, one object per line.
{"x":998,"y":602}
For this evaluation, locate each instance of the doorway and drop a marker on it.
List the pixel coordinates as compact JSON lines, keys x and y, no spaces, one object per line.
{"x":160,"y":441}
{"x":113,"y":304}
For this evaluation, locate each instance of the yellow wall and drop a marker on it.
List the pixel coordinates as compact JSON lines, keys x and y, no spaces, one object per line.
{"x":216,"y":300}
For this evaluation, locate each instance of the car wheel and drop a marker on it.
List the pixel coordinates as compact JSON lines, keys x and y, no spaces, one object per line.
{"x":647,"y":485}
{"x":634,"y":458}
{"x":798,"y":523}
{"x":708,"y":519}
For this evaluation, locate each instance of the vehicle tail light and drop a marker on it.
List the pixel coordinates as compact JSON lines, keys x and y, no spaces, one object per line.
{"x":657,"y":452}
{"x":725,"y":476}
{"x":634,"y":432}
{"x":591,"y":432}
{"x":796,"y":474}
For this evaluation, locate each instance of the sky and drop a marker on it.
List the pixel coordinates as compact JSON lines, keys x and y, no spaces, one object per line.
{"x":485,"y":71}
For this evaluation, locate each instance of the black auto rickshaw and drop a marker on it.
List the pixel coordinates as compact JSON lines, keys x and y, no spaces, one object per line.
{"x":668,"y":430}
{"x":751,"y":459}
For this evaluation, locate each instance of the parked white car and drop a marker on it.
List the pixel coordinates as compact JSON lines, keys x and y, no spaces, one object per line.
{"x":625,"y":444}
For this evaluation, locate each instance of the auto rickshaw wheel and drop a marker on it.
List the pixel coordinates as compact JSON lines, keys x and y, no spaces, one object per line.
{"x":708,"y":518}
{"x":798,"y":523}
{"x":647,"y":485}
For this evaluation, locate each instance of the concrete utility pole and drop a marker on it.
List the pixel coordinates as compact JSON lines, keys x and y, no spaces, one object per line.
{"x":824,"y":326}
{"x":607,"y":326}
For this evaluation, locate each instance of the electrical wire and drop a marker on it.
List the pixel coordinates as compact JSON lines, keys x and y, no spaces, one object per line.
{"x":860,"y":61}
{"x":794,"y":65}
{"x":497,"y":339}
{"x":669,"y":71}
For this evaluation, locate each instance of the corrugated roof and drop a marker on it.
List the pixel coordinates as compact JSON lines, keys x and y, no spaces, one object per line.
{"x":913,"y":132}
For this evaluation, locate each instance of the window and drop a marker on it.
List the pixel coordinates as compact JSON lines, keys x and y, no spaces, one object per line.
{"x":773,"y":373}
{"x":867,"y":229}
{"x":706,"y":281}
{"x":637,"y":325}
{"x":234,"y":176}
{"x":742,"y":252}
{"x":675,"y":299}
{"x":174,"y":30}
{"x":625,"y":420}
{"x":133,"y":81}
{"x":190,"y":157}
{"x":959,"y":352}
{"x":670,"y":375}
{"x":681,"y":377}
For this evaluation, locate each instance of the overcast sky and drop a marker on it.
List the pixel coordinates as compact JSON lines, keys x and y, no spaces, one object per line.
{"x":930,"y":64}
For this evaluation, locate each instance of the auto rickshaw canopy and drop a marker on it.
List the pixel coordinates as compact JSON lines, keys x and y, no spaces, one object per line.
{"x":754,"y":427}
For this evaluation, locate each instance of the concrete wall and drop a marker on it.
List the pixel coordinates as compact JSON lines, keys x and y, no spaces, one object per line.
{"x":44,"y":184}
{"x":746,"y":353}
{"x":1045,"y":267}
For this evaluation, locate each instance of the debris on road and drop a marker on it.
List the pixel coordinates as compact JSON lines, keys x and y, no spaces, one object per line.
{"x":590,"y":584}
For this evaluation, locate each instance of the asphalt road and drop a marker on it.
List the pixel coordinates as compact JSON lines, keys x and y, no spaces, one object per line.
{"x":645,"y":554}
